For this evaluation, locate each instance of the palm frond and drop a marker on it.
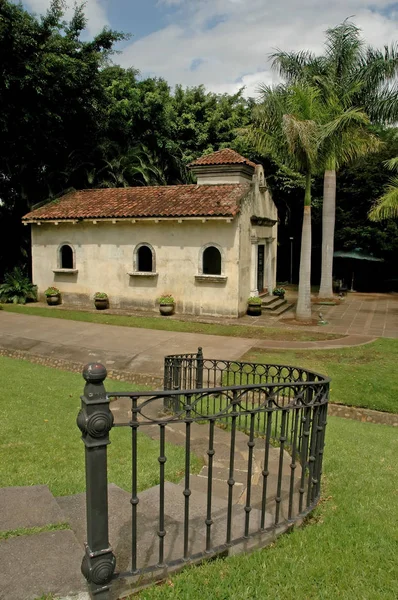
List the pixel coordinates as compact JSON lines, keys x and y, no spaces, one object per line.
{"x":291,"y":65}
{"x":392,"y":164}
{"x":386,"y":207}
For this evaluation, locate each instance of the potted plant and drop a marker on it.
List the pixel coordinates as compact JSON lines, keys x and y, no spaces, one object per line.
{"x":53,"y":296}
{"x":166,"y":304}
{"x":101,"y":300}
{"x":254,"y":306}
{"x":279,"y":291}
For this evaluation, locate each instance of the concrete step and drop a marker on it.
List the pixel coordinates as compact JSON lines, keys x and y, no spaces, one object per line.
{"x":219,"y":489}
{"x":283,"y":308}
{"x":40,"y":564}
{"x":148,"y":522}
{"x":268,"y":301}
{"x":24,"y":507}
{"x":273,"y":306}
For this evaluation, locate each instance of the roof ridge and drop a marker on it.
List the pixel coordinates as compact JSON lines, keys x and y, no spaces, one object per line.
{"x":223,"y":156}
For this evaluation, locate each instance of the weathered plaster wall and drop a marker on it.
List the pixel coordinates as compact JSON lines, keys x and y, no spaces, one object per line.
{"x":104,"y":256}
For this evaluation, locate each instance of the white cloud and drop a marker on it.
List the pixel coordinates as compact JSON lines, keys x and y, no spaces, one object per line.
{"x":94,"y":11}
{"x":228,"y":41}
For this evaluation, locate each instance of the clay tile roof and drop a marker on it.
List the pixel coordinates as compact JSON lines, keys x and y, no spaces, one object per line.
{"x":141,"y":202}
{"x":223,"y":157}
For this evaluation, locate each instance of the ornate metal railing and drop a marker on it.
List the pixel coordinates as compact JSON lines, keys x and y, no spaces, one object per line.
{"x":261,"y":431}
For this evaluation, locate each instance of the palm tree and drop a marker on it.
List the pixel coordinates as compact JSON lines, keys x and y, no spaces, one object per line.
{"x":357,"y":77}
{"x":135,"y":167}
{"x":386,"y":207}
{"x":286,"y":126}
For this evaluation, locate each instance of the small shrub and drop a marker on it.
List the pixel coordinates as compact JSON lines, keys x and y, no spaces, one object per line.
{"x":17,"y":287}
{"x":100,"y":296}
{"x":254,"y":300}
{"x":52,"y":291}
{"x":279,"y":291}
{"x":166,"y":299}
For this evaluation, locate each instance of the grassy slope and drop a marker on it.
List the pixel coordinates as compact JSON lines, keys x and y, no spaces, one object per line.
{"x":167,"y":324}
{"x":349,"y":548}
{"x":40,"y":442}
{"x":361,"y":376}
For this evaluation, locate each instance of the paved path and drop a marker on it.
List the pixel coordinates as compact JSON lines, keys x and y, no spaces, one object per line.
{"x":128,"y":348}
{"x":368,"y":314}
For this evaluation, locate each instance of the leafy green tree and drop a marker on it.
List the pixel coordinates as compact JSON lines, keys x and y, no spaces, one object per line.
{"x":52,"y":104}
{"x":349,"y":75}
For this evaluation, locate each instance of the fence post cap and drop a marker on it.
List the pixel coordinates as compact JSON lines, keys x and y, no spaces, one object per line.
{"x":94,"y":372}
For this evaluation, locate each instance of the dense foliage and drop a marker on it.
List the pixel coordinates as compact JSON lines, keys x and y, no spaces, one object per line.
{"x":70,"y":118}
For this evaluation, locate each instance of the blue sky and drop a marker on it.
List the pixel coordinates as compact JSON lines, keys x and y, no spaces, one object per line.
{"x":224,"y":44}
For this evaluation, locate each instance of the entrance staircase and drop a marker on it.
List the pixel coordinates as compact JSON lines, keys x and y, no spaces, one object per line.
{"x":275,"y":306}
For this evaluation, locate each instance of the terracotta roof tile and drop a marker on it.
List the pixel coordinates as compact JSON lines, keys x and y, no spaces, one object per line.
{"x":141,"y":202}
{"x":223,"y":157}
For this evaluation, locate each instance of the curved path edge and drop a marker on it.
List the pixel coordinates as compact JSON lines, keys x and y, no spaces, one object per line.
{"x":347,"y":341}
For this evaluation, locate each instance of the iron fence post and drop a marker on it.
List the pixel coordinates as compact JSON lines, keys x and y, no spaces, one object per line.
{"x":95,"y":420}
{"x":199,"y":369}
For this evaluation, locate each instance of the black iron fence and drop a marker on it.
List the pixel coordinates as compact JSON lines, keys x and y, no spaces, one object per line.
{"x":260,"y":430}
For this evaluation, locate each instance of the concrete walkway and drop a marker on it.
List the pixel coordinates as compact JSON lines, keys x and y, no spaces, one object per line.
{"x":127,"y":348}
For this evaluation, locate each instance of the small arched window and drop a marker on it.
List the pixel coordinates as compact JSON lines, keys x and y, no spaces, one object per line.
{"x":145,"y":259}
{"x":66,"y":257}
{"x":211,"y":261}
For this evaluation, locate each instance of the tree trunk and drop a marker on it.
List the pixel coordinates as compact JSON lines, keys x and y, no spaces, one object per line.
{"x":303,"y":310}
{"x":328,"y":223}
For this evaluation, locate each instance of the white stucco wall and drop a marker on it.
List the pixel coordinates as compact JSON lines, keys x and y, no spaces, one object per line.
{"x":259,"y":204}
{"x":104,"y":256}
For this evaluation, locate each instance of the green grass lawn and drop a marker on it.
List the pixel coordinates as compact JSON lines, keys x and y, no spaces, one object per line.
{"x":348,"y":550}
{"x":172,"y":324}
{"x":365,"y":376}
{"x":40,"y":442}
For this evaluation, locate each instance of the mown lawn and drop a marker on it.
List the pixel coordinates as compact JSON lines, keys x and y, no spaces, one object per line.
{"x":40,"y":442}
{"x":172,"y":324}
{"x":348,"y":550}
{"x":364,"y":376}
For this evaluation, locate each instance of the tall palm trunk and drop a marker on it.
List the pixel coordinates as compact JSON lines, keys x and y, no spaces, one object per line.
{"x":303,"y":310}
{"x":328,"y":224}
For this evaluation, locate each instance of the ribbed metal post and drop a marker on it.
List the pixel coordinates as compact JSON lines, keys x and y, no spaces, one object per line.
{"x":187,"y":492}
{"x":95,"y":420}
{"x":134,"y":469}
{"x":231,"y":480}
{"x":162,"y":461}
{"x":199,"y":369}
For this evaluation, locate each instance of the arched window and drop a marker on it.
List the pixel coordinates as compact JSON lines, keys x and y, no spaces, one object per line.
{"x":144,"y":258}
{"x":211,"y":261}
{"x":66,"y":257}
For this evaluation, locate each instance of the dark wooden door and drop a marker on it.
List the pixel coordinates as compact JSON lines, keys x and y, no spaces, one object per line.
{"x":260,"y":267}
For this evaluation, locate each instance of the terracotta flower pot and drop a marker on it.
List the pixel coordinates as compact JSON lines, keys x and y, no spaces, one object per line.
{"x":166,"y":309}
{"x":101,"y":303}
{"x":53,"y":300}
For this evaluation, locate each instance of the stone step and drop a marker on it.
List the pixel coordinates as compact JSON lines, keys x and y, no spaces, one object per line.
{"x":120,"y":511}
{"x":219,"y":489}
{"x":40,"y":564}
{"x":268,"y":301}
{"x":282,"y":309}
{"x":24,"y":507}
{"x":274,"y":305}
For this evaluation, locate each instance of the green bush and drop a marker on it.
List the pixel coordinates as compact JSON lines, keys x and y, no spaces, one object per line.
{"x":52,"y":291}
{"x":254,"y":300}
{"x":166,"y":299}
{"x":17,"y":287}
